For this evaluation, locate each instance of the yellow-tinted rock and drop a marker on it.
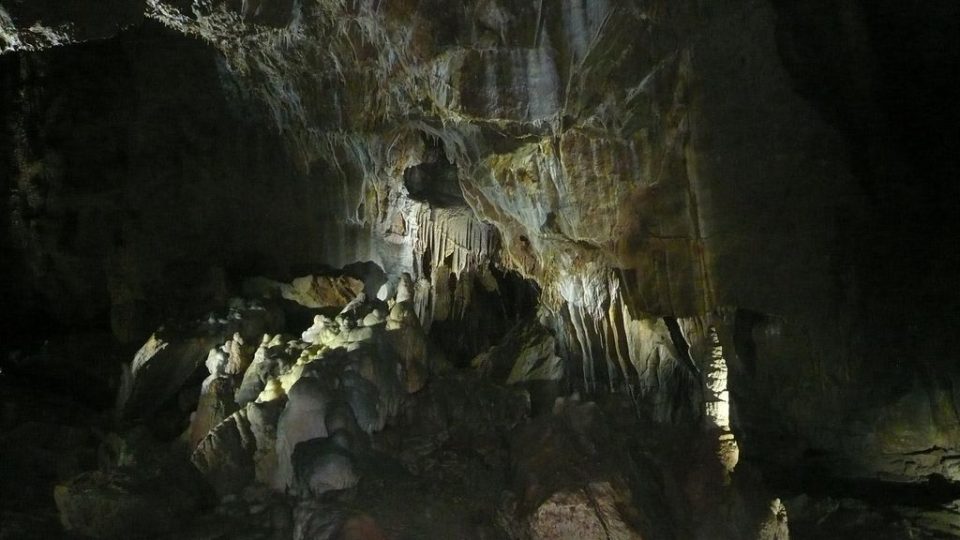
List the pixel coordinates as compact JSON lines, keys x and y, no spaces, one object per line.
{"x":318,"y":292}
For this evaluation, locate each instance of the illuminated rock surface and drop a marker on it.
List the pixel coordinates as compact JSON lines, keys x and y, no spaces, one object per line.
{"x":460,"y":269}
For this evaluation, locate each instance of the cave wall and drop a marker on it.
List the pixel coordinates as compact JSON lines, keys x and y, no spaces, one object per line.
{"x":37,"y":25}
{"x":735,"y":166}
{"x":140,"y":181}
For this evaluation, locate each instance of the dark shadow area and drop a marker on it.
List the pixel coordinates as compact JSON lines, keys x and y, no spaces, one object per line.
{"x":141,"y":177}
{"x":488,"y":318}
{"x":435,"y":181}
{"x":886,"y":74}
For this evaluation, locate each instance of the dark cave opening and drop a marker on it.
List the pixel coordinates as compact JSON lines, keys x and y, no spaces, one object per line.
{"x":149,"y":167}
{"x":435,"y":181}
{"x":490,"y":316}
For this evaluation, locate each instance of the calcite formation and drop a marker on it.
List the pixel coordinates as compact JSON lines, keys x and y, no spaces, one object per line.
{"x":587,"y":148}
{"x":315,"y":398}
{"x":633,"y":201}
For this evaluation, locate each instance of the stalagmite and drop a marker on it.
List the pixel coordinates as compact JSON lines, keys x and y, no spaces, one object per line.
{"x":718,"y":403}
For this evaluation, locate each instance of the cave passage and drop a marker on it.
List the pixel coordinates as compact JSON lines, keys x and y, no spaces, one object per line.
{"x":488,"y":269}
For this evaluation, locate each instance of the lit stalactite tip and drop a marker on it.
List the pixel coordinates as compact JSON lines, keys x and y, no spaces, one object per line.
{"x":718,"y":404}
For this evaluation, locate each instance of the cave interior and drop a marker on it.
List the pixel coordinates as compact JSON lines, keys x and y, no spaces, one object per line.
{"x":489,"y":269}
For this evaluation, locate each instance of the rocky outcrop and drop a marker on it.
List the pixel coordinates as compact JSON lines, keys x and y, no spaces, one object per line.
{"x":590,"y":513}
{"x":172,"y":355}
{"x":33,"y":26}
{"x":115,"y":506}
{"x":618,"y":198}
{"x":573,"y":503}
{"x":314,"y":403}
{"x":240,"y":450}
{"x":322,"y":291}
{"x":527,"y":354}
{"x":691,"y":218}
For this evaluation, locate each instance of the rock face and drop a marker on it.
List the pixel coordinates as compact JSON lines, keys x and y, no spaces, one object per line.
{"x":569,"y":486}
{"x":322,"y":291}
{"x":702,"y":209}
{"x":171,"y":356}
{"x":240,"y":450}
{"x":317,"y":403}
{"x":619,"y":198}
{"x":591,"y":513}
{"x":33,"y":26}
{"x":116,"y":507}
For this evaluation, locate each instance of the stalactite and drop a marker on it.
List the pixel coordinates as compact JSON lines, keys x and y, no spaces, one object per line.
{"x":453,"y":238}
{"x":615,"y":350}
{"x":450,"y":247}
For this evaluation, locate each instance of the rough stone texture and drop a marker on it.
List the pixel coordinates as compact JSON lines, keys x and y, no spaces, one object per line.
{"x":624,"y":200}
{"x":323,"y":465}
{"x":322,"y":291}
{"x":307,"y":406}
{"x":36,"y":25}
{"x":573,"y":479}
{"x":116,"y":506}
{"x":591,"y":513}
{"x":406,"y":336}
{"x":215,"y":405}
{"x":241,"y":449}
{"x":527,"y":357}
{"x":159,"y":370}
{"x":677,"y":178}
{"x":303,"y":418}
{"x":122,"y":175}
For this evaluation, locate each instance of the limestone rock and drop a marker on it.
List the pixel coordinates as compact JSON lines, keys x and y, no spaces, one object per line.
{"x":26,"y":27}
{"x":645,"y":163}
{"x":216,"y":362}
{"x":239,"y":355}
{"x":118,"y":506}
{"x":528,"y":353}
{"x":215,"y":405}
{"x":249,"y":320}
{"x":318,"y":292}
{"x":225,"y":455}
{"x":315,"y":520}
{"x":591,"y":513}
{"x":324,"y":331}
{"x":240,"y":449}
{"x":407,"y":338}
{"x":272,"y":391}
{"x":172,"y":354}
{"x":374,"y":318}
{"x":303,"y":418}
{"x":774,"y":527}
{"x":364,"y":399}
{"x":574,"y":479}
{"x":257,"y":373}
{"x":324,"y":521}
{"x":340,"y":418}
{"x":324,"y":465}
{"x":405,"y":288}
{"x":380,"y":368}
{"x":160,"y":368}
{"x":264,"y":420}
